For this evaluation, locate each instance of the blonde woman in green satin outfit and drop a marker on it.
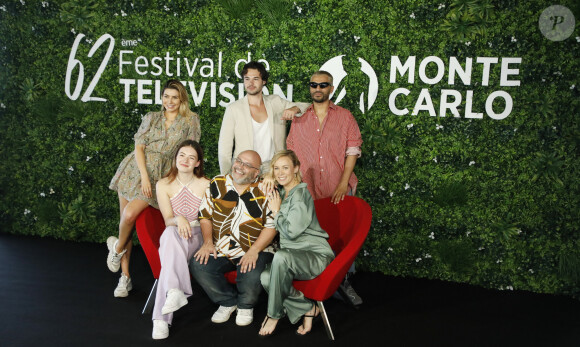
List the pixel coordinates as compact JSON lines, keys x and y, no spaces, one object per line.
{"x":304,"y":250}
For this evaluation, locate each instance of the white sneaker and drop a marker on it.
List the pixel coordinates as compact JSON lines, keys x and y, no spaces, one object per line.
{"x":223,"y":314}
{"x":160,"y":329}
{"x":245,"y":316}
{"x":114,"y":258}
{"x":123,"y":287}
{"x":174,"y":301}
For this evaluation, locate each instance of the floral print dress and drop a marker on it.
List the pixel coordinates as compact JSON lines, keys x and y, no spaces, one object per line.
{"x":160,"y":146}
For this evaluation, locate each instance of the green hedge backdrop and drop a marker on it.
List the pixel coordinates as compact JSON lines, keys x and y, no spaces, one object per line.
{"x":489,"y":202}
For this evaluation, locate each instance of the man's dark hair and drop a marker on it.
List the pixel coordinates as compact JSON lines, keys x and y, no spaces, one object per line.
{"x":256,"y":66}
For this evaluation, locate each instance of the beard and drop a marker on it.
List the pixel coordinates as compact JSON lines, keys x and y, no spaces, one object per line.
{"x":255,"y":92}
{"x":243,"y":180}
{"x":320,"y":98}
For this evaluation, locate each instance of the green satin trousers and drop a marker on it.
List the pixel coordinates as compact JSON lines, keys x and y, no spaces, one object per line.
{"x":289,"y":265}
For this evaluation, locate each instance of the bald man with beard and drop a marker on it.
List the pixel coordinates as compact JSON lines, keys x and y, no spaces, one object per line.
{"x":238,"y":230}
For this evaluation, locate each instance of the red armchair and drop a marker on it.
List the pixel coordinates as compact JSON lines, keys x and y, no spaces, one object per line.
{"x":150,"y":225}
{"x":347,"y":225}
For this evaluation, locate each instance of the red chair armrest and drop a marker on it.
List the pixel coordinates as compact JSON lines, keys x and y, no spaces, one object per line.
{"x":150,"y":225}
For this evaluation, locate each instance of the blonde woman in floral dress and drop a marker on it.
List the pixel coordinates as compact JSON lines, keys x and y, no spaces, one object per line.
{"x":156,"y":141}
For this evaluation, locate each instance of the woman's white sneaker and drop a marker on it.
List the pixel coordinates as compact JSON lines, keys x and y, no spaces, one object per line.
{"x":160,"y":329}
{"x":174,"y":301}
{"x":114,"y":258}
{"x":123,"y":287}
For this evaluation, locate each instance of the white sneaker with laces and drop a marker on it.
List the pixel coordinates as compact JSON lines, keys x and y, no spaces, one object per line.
{"x":223,"y":314}
{"x":114,"y":258}
{"x":123,"y":287}
{"x":245,"y":316}
{"x":175,"y":300}
{"x":160,"y":329}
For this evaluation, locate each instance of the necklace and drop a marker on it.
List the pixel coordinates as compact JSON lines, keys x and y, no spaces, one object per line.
{"x":188,"y":183}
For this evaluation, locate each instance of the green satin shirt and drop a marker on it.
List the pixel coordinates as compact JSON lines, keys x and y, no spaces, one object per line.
{"x":297,"y":223}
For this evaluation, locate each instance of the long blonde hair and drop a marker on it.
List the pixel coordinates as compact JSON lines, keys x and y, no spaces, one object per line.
{"x":293,"y":158}
{"x":184,"y":109}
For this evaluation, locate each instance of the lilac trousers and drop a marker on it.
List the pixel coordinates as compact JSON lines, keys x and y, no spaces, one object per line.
{"x":174,"y":253}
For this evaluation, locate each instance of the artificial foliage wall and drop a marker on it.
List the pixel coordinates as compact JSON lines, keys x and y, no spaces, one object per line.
{"x":468,"y":111}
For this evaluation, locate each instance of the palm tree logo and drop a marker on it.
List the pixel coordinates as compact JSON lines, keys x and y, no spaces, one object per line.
{"x":365,"y":95}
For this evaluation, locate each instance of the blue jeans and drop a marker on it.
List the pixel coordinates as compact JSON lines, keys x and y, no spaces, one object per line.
{"x":244,"y":293}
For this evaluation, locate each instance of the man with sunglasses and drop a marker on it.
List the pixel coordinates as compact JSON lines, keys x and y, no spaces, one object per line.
{"x":327,"y":140}
{"x":238,"y":230}
{"x":256,"y":122}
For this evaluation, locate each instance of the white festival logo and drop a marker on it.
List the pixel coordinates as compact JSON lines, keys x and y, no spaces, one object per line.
{"x":335,"y":67}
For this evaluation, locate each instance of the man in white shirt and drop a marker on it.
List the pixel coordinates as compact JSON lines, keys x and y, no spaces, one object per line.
{"x":255,"y":122}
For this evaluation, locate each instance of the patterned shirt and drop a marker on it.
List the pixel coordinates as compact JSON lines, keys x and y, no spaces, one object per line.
{"x":322,"y":149}
{"x":186,"y":204}
{"x":237,"y":220}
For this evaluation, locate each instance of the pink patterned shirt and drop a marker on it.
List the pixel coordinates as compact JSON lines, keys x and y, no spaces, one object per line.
{"x":186,"y":204}
{"x":322,"y":150}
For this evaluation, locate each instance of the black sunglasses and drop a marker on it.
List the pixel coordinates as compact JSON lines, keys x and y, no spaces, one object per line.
{"x":322,"y":85}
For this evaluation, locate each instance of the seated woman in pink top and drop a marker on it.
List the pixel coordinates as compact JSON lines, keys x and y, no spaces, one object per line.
{"x":179,"y":196}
